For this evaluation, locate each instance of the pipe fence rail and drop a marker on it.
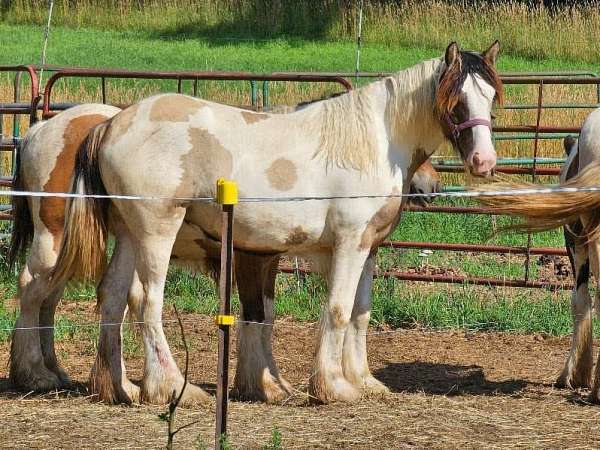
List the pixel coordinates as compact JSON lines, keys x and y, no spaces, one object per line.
{"x":512,"y":166}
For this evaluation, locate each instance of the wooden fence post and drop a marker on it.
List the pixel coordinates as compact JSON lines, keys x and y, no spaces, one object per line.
{"x":227,"y":197}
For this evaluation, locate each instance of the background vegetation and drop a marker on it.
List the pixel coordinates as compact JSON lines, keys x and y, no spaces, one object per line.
{"x":526,"y":28}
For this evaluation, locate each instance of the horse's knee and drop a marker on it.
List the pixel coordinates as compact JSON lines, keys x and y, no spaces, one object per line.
{"x":339,"y":316}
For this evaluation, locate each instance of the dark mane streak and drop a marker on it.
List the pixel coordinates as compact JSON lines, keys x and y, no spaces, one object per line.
{"x":452,"y":79}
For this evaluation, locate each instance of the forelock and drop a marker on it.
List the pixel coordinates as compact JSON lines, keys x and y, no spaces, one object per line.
{"x":453,"y":78}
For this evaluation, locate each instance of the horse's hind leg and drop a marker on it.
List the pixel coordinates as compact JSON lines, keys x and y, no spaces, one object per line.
{"x":577,"y":371}
{"x":27,"y":367}
{"x":108,"y":379}
{"x":257,"y":376}
{"x":354,"y":360}
{"x":162,"y":378}
{"x":47,"y":312}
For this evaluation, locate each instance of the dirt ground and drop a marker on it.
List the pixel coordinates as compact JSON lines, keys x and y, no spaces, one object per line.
{"x":448,"y":390}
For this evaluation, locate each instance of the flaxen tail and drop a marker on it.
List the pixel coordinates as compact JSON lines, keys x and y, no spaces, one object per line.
{"x":22,"y":230}
{"x":541,"y":212}
{"x":82,"y":253}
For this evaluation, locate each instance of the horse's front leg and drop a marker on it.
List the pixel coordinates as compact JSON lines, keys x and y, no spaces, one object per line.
{"x":354,"y":359}
{"x":328,"y":382}
{"x":257,"y":376}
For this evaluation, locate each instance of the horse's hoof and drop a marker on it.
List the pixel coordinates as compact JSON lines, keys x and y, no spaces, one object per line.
{"x":63,"y":377}
{"x":373,"y":386}
{"x":38,"y":381}
{"x":594,"y":396}
{"x":336,"y":389}
{"x":272,"y":390}
{"x":132,"y":391}
{"x":574,"y":380}
{"x":194,"y":395}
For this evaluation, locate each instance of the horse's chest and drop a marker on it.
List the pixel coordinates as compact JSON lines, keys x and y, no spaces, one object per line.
{"x":381,"y":224}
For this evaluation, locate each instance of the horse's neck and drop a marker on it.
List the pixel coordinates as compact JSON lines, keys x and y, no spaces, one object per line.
{"x":412,"y":121}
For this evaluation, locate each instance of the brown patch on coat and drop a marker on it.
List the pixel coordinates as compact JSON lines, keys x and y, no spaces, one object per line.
{"x":297,"y":237}
{"x":282,"y":174}
{"x":382,"y":223}
{"x":121,"y":123}
{"x":252,"y":117}
{"x":207,"y":159}
{"x":52,"y":209}
{"x":174,"y":108}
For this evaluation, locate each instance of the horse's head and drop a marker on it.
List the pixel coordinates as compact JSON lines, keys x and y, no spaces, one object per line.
{"x":467,"y":89}
{"x":426,"y":180}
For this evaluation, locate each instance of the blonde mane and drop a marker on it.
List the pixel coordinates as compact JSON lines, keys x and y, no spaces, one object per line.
{"x":346,"y":123}
{"x":411,"y":109}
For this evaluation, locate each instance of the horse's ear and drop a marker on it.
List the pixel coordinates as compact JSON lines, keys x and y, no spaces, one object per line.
{"x":568,"y":144}
{"x":452,"y":54}
{"x":491,"y":54}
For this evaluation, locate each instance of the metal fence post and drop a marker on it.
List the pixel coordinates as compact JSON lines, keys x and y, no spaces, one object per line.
{"x":253,"y":93}
{"x":227,"y":197}
{"x":534,"y":170}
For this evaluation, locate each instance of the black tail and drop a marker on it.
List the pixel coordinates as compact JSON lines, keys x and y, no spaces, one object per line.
{"x":22,"y":230}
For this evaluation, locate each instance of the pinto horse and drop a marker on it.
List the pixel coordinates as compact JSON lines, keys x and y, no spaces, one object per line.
{"x":367,"y":142}
{"x":579,"y":215}
{"x":46,"y":164}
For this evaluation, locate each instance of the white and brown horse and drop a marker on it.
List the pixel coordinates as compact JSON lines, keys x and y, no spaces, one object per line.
{"x":579,"y":214}
{"x":46,"y":162}
{"x":366,"y":142}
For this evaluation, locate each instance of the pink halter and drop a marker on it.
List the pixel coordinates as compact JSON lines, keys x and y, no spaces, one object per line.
{"x":456,"y":129}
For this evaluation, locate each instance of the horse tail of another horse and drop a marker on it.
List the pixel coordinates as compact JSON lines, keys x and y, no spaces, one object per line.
{"x":22,"y":230}
{"x":541,"y":212}
{"x":82,"y":254}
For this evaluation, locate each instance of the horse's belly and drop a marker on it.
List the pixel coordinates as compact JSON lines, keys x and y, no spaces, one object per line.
{"x":270,"y":227}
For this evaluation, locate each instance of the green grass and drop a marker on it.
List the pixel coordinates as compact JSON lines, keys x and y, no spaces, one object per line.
{"x":569,"y":33}
{"x":141,"y":50}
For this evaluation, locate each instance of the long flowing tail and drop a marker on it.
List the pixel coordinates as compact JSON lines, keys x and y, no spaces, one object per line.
{"x":546,"y":211}
{"x":22,"y":230}
{"x":82,"y":253}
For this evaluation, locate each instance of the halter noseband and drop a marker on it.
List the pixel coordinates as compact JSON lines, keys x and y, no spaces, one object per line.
{"x":456,"y":129}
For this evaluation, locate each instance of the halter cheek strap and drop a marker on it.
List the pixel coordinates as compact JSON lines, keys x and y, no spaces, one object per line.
{"x":456,"y":129}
